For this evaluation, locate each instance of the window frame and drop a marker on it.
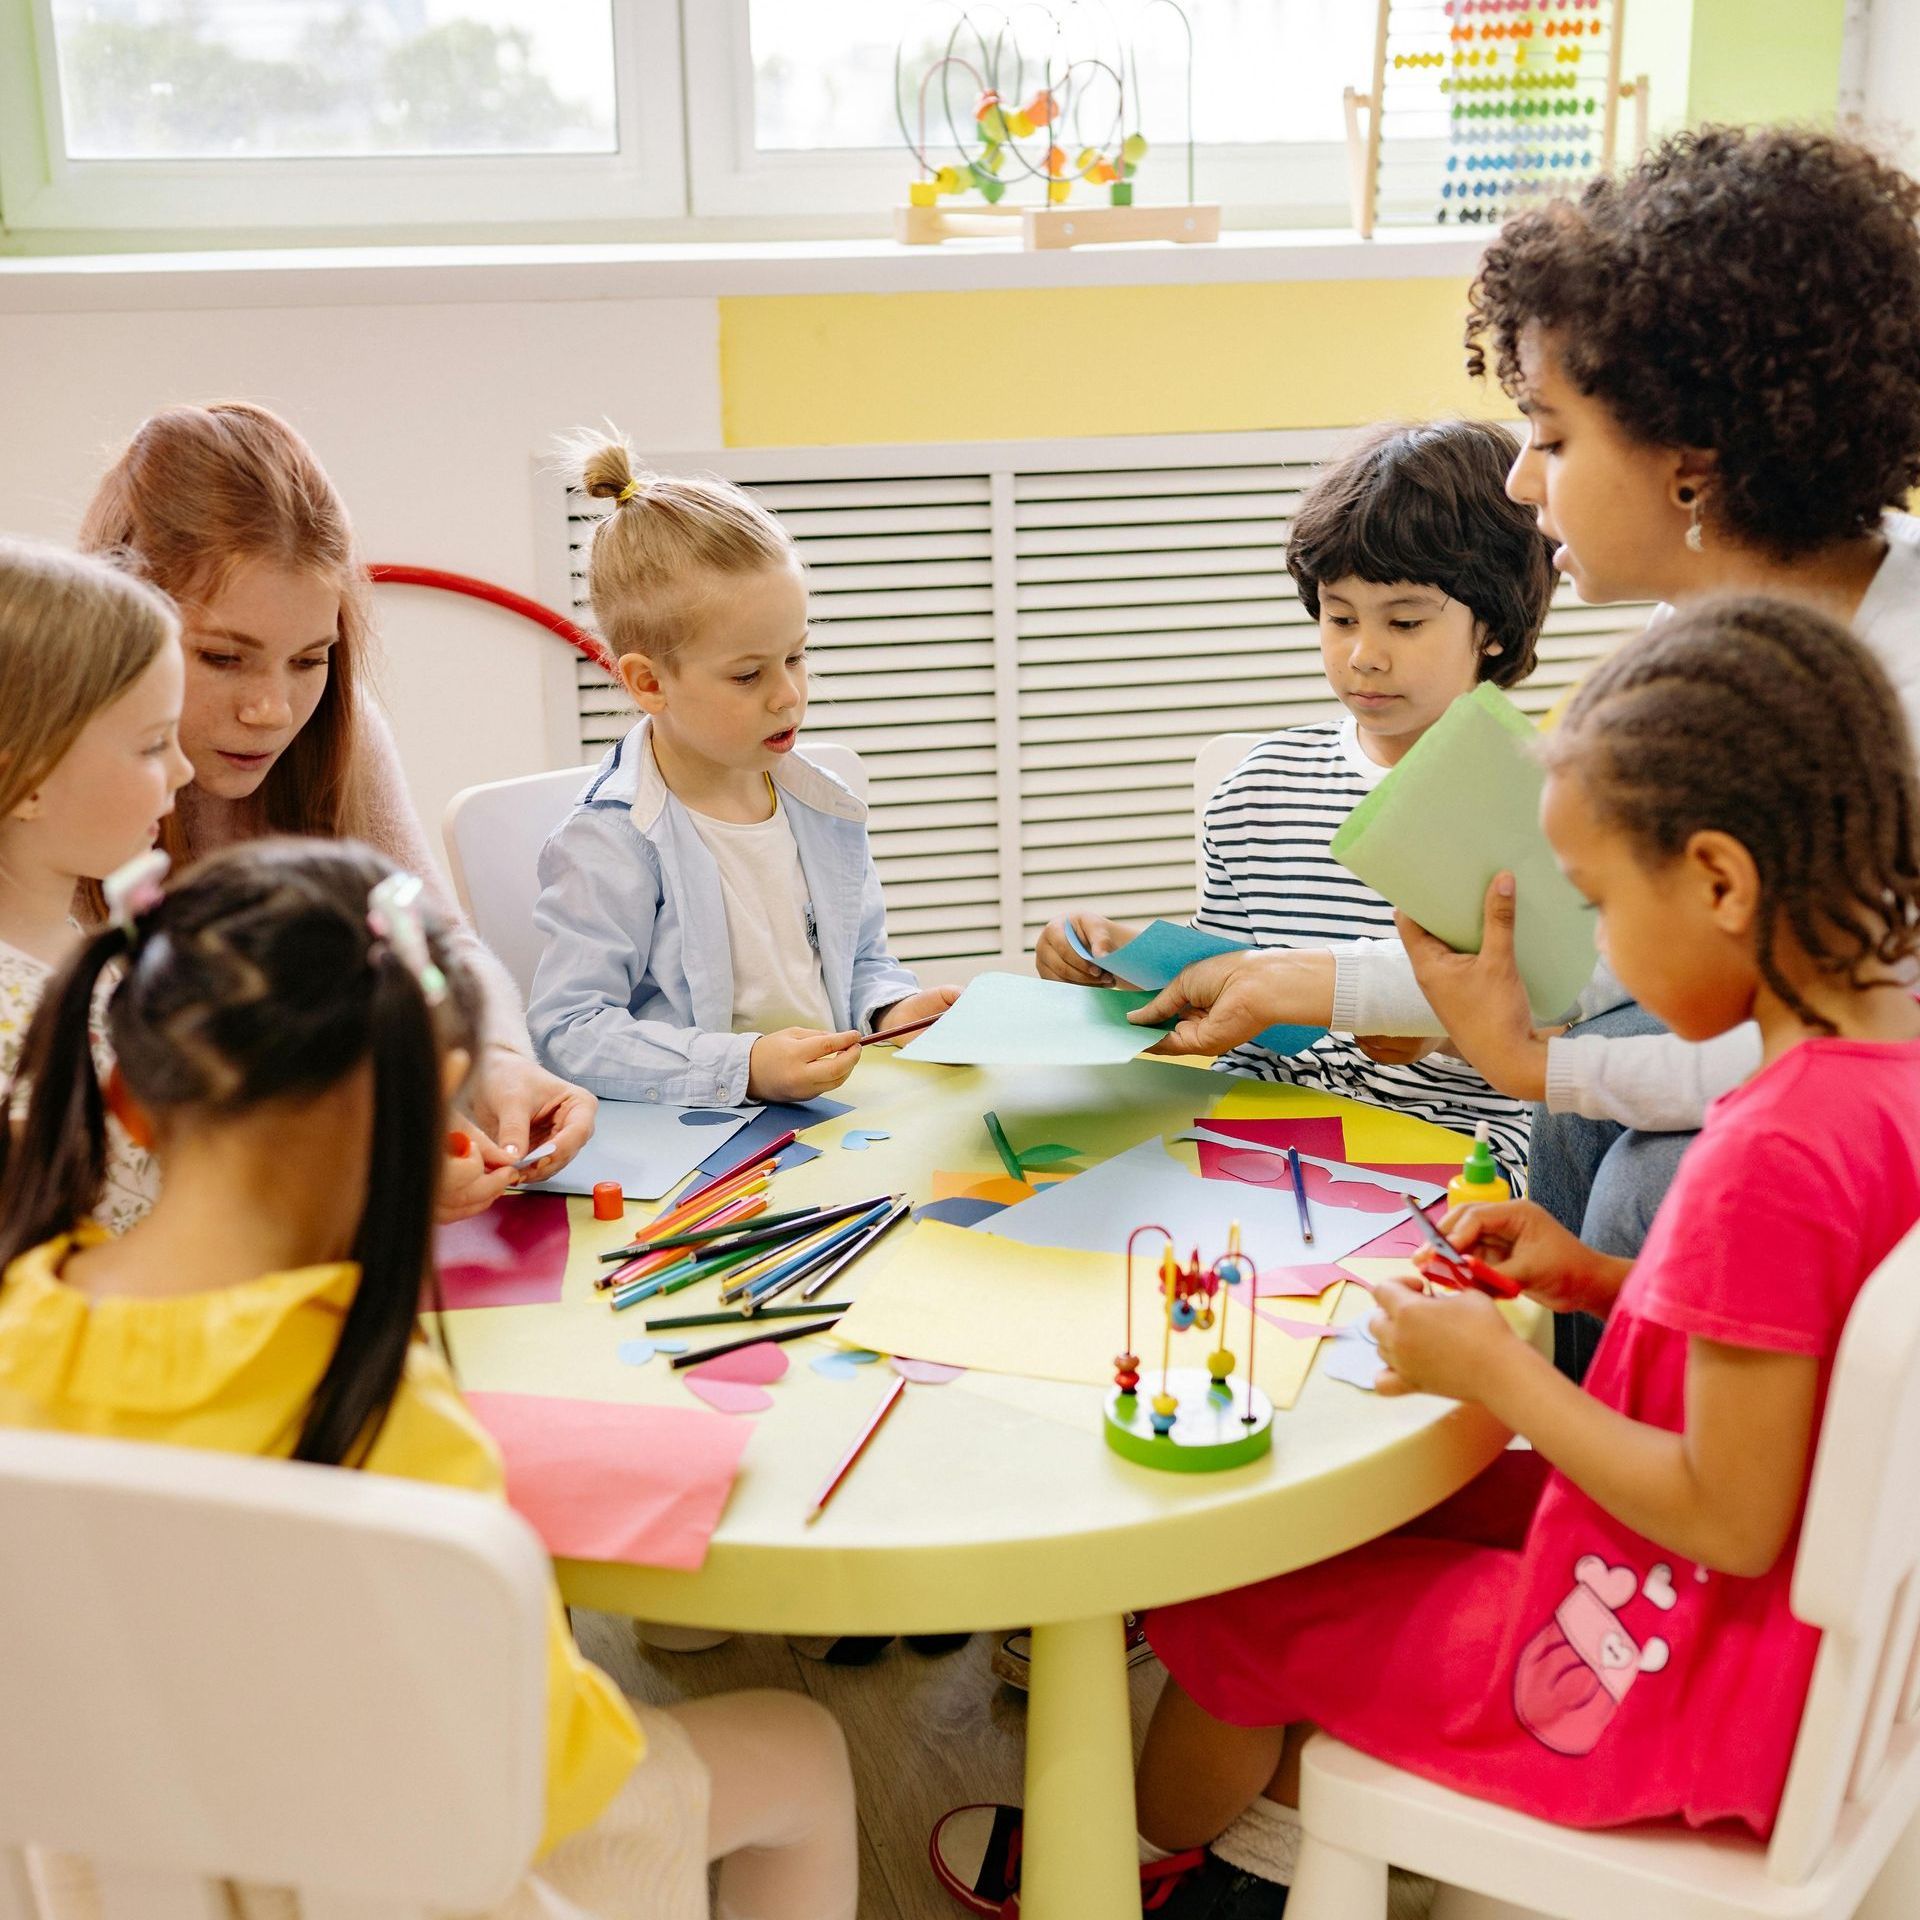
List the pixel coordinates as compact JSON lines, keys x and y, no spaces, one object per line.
{"x":42,"y":189}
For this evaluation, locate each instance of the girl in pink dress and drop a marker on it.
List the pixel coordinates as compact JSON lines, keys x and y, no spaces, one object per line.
{"x":1598,"y":1631}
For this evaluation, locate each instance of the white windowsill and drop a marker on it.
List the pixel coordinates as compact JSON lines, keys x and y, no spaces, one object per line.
{"x":417,"y":275}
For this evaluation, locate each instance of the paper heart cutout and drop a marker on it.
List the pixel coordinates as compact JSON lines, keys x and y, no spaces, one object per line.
{"x":843,"y":1366}
{"x":1658,"y":1587}
{"x":706,"y":1117}
{"x":859,"y":1139}
{"x":930,"y":1373}
{"x":758,"y":1366}
{"x":1654,"y":1655}
{"x":730,"y":1396}
{"x":636,"y":1353}
{"x":1612,"y":1586}
{"x":1256,"y":1169}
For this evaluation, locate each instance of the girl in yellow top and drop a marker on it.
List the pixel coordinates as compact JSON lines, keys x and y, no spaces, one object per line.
{"x":289,"y":1028}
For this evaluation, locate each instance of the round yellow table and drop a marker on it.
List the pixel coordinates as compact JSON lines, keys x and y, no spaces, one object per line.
{"x":993,"y":1502}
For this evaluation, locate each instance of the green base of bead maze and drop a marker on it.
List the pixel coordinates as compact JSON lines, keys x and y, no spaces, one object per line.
{"x":1211,"y":1431}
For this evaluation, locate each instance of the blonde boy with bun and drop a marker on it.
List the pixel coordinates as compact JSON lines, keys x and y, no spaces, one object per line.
{"x":713,"y":922}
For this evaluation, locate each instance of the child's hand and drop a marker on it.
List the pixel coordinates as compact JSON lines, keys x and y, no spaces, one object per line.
{"x":1527,"y":1244}
{"x":1395,"y":1050}
{"x":1055,"y":959}
{"x":924,"y":1005}
{"x":1436,"y":1343}
{"x":473,"y":1176}
{"x":799,"y":1062}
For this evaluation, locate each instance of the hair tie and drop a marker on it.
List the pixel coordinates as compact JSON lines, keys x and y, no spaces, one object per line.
{"x":393,"y":915}
{"x":627,"y":492}
{"x":134,"y":889}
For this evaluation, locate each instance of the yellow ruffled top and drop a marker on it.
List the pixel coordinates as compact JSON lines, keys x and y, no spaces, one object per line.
{"x":233,"y":1369}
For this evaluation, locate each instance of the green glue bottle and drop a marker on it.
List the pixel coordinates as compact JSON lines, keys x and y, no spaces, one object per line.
{"x":1479,"y":1178}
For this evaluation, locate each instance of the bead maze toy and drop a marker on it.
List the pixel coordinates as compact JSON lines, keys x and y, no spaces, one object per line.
{"x":1189,"y":1419}
{"x":1477,"y":108}
{"x":1052,"y":103}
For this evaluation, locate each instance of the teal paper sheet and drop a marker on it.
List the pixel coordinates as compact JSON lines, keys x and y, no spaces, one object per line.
{"x":1462,"y":806}
{"x":1011,"y":1020}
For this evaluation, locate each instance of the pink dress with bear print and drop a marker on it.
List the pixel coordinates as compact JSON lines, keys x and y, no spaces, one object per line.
{"x":1519,"y":1643}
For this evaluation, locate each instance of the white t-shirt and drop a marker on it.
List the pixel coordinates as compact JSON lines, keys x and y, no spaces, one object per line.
{"x":776,"y":965}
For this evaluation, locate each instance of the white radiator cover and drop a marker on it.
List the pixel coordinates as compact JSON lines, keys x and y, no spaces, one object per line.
{"x":1027,"y":641}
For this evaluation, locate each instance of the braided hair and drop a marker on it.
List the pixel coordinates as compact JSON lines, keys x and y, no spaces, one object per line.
{"x":258,"y":978}
{"x":1768,"y":721}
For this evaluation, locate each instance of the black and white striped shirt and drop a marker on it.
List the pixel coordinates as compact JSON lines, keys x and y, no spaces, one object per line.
{"x":1270,"y":881}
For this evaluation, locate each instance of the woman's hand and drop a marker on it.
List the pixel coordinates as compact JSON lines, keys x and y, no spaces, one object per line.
{"x":1223,"y":1002}
{"x":474,"y":1174}
{"x":519,"y":1106}
{"x":1055,"y":959}
{"x":1481,"y":998}
{"x":800,"y":1063}
{"x":1526,"y":1243}
{"x":1444,"y":1343}
{"x":1395,"y":1050}
{"x":927,"y":1004}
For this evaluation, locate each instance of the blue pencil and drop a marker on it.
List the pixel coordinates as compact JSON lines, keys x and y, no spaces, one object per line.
{"x":1300,"y":1194}
{"x":770,"y":1283}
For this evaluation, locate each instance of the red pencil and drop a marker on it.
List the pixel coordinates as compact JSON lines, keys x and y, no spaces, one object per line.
{"x":768,"y":1153}
{"x":854,"y":1452}
{"x":900,"y":1033}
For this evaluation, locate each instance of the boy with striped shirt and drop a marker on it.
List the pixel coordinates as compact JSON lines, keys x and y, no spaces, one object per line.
{"x":1424,"y":578}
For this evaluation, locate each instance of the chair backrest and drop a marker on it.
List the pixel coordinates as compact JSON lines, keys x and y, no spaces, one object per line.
{"x":1216,"y":759}
{"x":215,"y":1668}
{"x":494,"y":834}
{"x":1857,"y":1574}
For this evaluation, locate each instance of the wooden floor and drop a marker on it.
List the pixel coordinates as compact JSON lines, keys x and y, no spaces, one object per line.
{"x":926,"y":1735}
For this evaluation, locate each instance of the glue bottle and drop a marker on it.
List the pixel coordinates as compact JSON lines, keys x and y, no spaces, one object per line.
{"x":1479,"y":1178}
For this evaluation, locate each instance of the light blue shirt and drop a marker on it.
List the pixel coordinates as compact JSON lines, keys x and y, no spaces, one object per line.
{"x":633,"y":997}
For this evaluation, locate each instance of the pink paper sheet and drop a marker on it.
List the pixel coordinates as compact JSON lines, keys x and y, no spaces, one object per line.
{"x":603,"y":1481}
{"x":1405,"y":1237}
{"x":1321,"y":1134}
{"x":513,"y":1255}
{"x":1299,"y":1283}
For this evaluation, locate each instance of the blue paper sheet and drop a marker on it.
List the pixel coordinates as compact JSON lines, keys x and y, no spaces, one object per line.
{"x":646,"y":1148}
{"x":1153,"y":958}
{"x":768,"y":1123}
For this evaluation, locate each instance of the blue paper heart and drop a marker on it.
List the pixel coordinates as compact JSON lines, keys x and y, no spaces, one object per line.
{"x":636,"y":1353}
{"x":843,"y":1365}
{"x":860,"y":1138}
{"x":707,"y":1117}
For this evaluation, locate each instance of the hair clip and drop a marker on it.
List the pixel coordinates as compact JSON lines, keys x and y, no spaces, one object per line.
{"x":393,"y":914}
{"x":135,"y":888}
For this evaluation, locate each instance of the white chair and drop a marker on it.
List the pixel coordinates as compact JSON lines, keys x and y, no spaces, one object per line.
{"x":1215,"y":760}
{"x":1854,"y":1784}
{"x":218,"y":1668}
{"x":494,"y":834}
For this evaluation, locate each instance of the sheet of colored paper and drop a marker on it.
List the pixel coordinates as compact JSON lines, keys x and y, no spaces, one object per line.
{"x":646,"y":1148}
{"x":606,"y":1481}
{"x":996,"y":1187}
{"x":1331,"y":1183}
{"x":1353,"y":1358}
{"x":1375,"y":1136}
{"x":959,"y":1297}
{"x":1319,"y":1133}
{"x":1012,"y":1020}
{"x":1373,"y":1269}
{"x":513,"y":1255}
{"x":1462,"y":804}
{"x":1096,"y":1210}
{"x":1154,"y":956}
{"x":766,"y":1126}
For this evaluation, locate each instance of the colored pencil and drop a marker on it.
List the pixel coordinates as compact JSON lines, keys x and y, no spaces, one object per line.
{"x":784,"y":1258}
{"x":1008,"y":1158}
{"x":849,"y":1238}
{"x":740,"y":1315}
{"x":900,"y":1033}
{"x":637,"y":1262}
{"x":741,"y":1267}
{"x":777,"y":1338}
{"x":831,"y":1485}
{"x":673,"y":1279}
{"x":771,"y":1151}
{"x":1300,"y":1194}
{"x":901,"y":1208}
{"x":772,"y":1226}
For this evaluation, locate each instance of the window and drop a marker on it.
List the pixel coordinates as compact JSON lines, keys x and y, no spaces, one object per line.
{"x":576,"y":118}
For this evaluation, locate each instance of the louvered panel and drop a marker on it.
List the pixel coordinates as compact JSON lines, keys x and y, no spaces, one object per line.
{"x":827,"y":580}
{"x":1103,"y":537}
{"x":1179,"y":585}
{"x":1203,"y":513}
{"x":1038,"y":570}
{"x":1039,"y":489}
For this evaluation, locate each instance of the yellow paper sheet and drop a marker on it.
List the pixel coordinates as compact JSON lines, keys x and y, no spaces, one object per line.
{"x":1053,"y":1313}
{"x":1375,"y":1136}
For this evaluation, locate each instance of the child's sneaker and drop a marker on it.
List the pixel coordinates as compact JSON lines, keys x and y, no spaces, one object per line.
{"x":841,"y":1650}
{"x":976,"y":1856}
{"x":1012,"y":1659}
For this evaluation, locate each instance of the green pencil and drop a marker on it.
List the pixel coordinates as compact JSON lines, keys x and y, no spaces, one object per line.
{"x":738,"y":1315}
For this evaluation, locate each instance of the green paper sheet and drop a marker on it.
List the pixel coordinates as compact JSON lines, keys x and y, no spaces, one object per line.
{"x":1462,"y":806}
{"x":1011,"y":1020}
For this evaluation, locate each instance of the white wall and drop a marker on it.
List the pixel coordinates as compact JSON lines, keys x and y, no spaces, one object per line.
{"x":429,"y":418}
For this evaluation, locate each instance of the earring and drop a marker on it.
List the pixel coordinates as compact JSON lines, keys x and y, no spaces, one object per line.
{"x":1696,"y":535}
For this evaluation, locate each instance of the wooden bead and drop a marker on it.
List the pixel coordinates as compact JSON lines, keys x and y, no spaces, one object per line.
{"x":1041,"y":108}
{"x":1133,"y":149}
{"x":950,"y":180}
{"x":1056,"y":161}
{"x":1164,"y":1402}
{"x":1121,"y":193}
{"x":921,"y":193}
{"x":1019,"y":124}
{"x":1057,"y":192}
{"x":991,"y":190}
{"x":995,"y":123}
{"x":1220,"y":1363}
{"x":1127,"y":1382}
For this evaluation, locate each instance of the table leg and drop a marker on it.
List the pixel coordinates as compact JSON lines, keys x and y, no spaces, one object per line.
{"x":1078,"y":1858}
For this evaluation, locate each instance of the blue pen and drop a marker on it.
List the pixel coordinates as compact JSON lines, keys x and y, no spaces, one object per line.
{"x":1300,"y":1194}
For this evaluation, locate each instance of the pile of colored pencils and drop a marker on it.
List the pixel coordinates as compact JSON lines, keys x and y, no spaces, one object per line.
{"x":724,"y":1231}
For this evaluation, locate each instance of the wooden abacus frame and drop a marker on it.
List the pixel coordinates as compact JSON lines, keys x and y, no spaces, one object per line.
{"x":1363,"y":146}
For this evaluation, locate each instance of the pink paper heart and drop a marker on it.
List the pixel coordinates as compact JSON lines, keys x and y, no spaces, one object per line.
{"x":1614,"y":1585}
{"x":758,"y":1366}
{"x":730,"y":1396}
{"x":930,"y":1373}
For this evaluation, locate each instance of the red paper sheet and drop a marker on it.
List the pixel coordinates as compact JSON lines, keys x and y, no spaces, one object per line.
{"x":1321,"y":1134}
{"x":513,"y":1255}
{"x":603,"y":1481}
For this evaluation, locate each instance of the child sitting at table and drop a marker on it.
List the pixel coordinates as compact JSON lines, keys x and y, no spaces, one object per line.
{"x":1577,"y":1632}
{"x":713,"y":921}
{"x":291,"y":1023}
{"x":1424,"y":578}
